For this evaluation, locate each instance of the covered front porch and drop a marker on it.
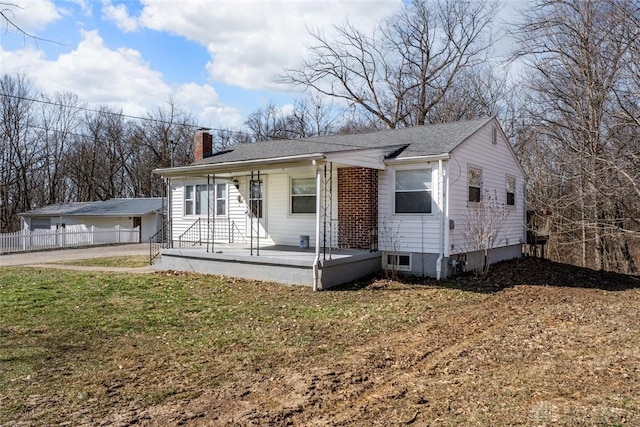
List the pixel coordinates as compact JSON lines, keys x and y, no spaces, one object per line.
{"x":276,"y":263}
{"x":264,"y":208}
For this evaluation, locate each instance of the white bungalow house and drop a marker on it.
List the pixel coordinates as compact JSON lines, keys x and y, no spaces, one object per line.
{"x":400,"y":199}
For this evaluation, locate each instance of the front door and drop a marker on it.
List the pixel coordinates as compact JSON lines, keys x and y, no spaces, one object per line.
{"x":256,"y":209}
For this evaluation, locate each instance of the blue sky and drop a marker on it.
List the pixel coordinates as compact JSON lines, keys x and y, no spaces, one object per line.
{"x":216,"y":58}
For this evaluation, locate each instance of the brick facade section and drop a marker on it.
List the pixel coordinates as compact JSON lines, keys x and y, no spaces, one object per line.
{"x":358,"y":208}
{"x":203,"y":145}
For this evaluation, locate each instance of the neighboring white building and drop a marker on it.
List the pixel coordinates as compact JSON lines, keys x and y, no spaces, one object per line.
{"x":145,"y":213}
{"x":406,"y":193}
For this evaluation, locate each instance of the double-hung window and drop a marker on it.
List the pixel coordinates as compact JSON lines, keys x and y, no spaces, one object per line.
{"x":413,"y":191}
{"x":189,"y":199}
{"x":475,"y":184}
{"x":221,"y":199}
{"x":196,"y":199}
{"x":303,"y":195}
{"x":511,"y":191}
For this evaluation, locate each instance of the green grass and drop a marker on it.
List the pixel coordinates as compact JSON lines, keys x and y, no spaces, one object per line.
{"x":117,"y":261}
{"x":74,"y":345}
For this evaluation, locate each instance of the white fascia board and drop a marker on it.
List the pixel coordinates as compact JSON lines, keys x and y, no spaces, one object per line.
{"x":373,"y":158}
{"x":240,"y":165}
{"x":418,"y":159}
{"x":364,"y":162}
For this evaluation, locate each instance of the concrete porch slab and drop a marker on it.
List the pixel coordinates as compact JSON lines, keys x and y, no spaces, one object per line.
{"x":282,"y":264}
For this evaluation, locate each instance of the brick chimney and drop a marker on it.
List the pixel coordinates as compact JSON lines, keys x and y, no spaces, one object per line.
{"x":203,"y":145}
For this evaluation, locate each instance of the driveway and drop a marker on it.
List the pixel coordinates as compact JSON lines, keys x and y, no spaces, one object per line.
{"x":62,"y":255}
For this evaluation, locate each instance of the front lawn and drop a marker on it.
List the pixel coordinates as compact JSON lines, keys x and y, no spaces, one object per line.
{"x":87,"y":348}
{"x":76,"y":345}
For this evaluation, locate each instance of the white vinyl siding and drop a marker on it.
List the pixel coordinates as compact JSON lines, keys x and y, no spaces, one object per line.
{"x":233,"y":200}
{"x":285,"y":228}
{"x":496,"y":161}
{"x":278,"y":225}
{"x":406,"y":232}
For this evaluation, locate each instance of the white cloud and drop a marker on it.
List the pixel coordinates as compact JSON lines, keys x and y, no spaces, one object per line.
{"x":95,"y":73}
{"x":252,"y":41}
{"x":119,"y":15}
{"x":31,"y":15}
{"x":221,"y":117}
{"x":196,"y":94}
{"x":203,"y":98}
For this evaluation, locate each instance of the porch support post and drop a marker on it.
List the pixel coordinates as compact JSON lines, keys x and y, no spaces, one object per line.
{"x":211,"y":219}
{"x":260,"y":213}
{"x":316,"y":259}
{"x":251,"y":215}
{"x":169,"y":244}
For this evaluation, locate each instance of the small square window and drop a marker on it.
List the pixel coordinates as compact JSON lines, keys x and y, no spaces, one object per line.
{"x":398,"y":261}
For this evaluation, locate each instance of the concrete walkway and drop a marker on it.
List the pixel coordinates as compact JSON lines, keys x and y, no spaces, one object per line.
{"x":47,"y":259}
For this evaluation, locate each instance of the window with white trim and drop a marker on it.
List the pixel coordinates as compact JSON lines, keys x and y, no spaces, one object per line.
{"x":189,"y":199}
{"x":303,"y":195}
{"x":196,"y":199}
{"x":511,"y":190}
{"x":399,"y":261}
{"x":475,"y":184}
{"x":413,"y":191}
{"x":221,"y":199}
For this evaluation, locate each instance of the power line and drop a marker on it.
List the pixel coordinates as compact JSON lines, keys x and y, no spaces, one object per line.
{"x":199,"y":127}
{"x":93,"y":110}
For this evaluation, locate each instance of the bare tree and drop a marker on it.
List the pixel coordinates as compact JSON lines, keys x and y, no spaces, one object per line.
{"x":576,"y":52}
{"x":483,"y":224}
{"x":311,"y":116}
{"x":19,"y":153}
{"x":164,"y":139}
{"x":59,"y":124}
{"x":7,"y":16}
{"x":400,"y":72}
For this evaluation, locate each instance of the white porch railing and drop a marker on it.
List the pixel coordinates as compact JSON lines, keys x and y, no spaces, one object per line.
{"x":71,"y":236}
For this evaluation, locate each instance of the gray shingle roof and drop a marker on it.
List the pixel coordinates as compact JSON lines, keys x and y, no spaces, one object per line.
{"x":111,"y":207}
{"x":420,"y":140}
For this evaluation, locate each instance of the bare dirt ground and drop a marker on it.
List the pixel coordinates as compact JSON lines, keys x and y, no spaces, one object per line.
{"x":550,"y":345}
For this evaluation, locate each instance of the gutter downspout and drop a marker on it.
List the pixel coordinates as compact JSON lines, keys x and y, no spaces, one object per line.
{"x":524,"y":215}
{"x":447,"y":231}
{"x":316,"y":258}
{"x":442,"y":216}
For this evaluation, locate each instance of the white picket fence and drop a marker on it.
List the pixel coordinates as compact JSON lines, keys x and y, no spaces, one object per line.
{"x":71,"y":236}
